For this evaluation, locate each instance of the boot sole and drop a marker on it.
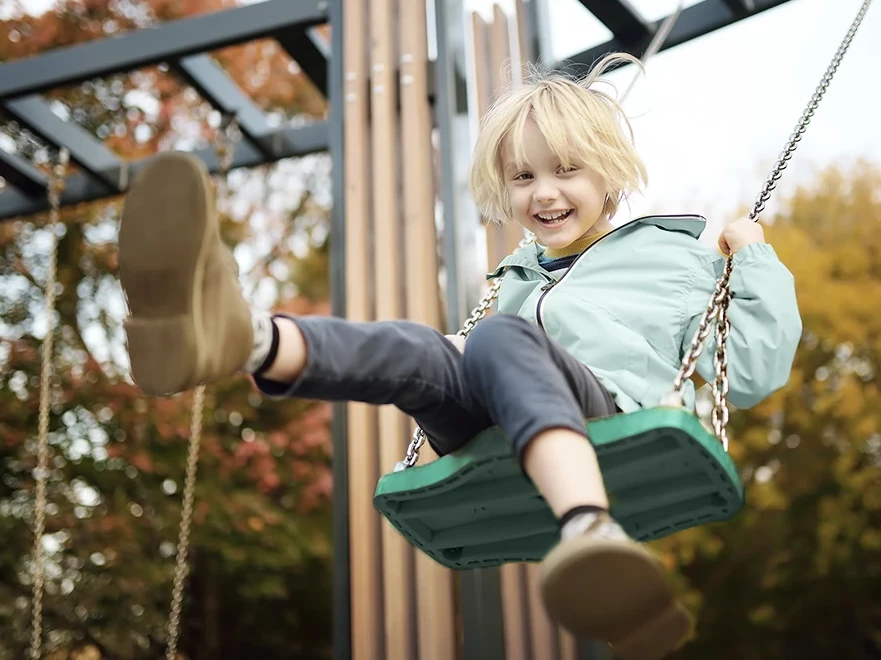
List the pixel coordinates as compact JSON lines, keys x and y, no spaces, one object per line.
{"x":616,"y":592}
{"x":166,"y":227}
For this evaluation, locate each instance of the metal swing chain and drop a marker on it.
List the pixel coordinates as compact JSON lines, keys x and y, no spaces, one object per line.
{"x":717,"y":307}
{"x":54,"y":189}
{"x":225,"y":153}
{"x":485,"y":304}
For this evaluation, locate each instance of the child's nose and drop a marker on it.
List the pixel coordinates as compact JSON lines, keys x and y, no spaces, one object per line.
{"x":546,"y":192}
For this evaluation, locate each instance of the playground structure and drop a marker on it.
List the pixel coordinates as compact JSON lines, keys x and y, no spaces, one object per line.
{"x":387,"y":99}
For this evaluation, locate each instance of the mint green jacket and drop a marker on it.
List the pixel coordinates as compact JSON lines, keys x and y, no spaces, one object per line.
{"x":629,"y":306}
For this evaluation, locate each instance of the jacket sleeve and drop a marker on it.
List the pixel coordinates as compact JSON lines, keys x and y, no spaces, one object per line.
{"x":765,"y":323}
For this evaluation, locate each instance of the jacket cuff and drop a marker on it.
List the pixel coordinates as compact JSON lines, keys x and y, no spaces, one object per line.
{"x":755,"y":252}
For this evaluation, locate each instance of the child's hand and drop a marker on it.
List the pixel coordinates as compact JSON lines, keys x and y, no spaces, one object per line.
{"x":739,"y":233}
{"x":458,"y":341}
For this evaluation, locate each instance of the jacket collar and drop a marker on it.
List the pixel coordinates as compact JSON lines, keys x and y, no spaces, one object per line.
{"x":527,"y":256}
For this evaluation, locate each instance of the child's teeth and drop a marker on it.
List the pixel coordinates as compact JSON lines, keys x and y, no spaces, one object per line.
{"x":555,"y":219}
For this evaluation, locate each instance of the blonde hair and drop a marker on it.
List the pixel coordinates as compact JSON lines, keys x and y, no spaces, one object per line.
{"x":579,"y":123}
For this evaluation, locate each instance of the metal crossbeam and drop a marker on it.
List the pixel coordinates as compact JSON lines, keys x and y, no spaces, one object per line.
{"x":741,"y":8}
{"x":623,"y":20}
{"x":81,"y":187}
{"x":693,"y":22}
{"x":166,"y":43}
{"x":216,"y":86}
{"x":33,"y":112}
{"x":308,"y":52}
{"x":21,"y":174}
{"x":183,"y":44}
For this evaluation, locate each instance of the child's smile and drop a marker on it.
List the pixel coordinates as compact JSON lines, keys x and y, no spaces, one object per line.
{"x":553,"y":218}
{"x":558,"y":203}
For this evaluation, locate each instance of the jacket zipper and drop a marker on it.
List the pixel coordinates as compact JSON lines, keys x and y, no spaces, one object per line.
{"x":546,"y":289}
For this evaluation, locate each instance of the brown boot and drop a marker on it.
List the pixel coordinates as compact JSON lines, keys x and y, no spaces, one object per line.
{"x":189,"y":323}
{"x":603,"y":585}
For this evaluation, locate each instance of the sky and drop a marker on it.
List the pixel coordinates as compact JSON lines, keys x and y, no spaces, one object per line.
{"x":711,"y":116}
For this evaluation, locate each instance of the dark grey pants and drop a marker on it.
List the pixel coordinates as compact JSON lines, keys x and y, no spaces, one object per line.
{"x":511,"y":375}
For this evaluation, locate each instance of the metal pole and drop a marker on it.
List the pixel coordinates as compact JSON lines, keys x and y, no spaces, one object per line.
{"x":444,"y":111}
{"x":342,"y":644}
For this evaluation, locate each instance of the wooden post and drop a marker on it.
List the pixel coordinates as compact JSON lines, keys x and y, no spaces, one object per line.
{"x":503,"y":73}
{"x":364,"y":545}
{"x":434,"y":583}
{"x":397,"y":556}
{"x":482,"y":76}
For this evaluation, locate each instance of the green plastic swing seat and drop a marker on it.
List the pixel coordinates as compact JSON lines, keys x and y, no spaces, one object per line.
{"x":475,"y":508}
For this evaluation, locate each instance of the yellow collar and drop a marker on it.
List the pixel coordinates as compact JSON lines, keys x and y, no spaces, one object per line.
{"x":577,"y":247}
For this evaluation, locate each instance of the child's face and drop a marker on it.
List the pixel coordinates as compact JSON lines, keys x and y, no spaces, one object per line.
{"x":559,"y":206}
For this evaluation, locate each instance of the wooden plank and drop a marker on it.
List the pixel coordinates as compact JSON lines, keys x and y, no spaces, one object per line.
{"x":434,"y":583}
{"x":364,"y":544}
{"x":542,"y":631}
{"x":501,"y":68}
{"x":397,"y":556}
{"x":568,"y":645}
{"x":500,"y":52}
{"x":515,"y":613}
{"x":480,"y":74}
{"x":524,"y":32}
{"x":482,"y":85}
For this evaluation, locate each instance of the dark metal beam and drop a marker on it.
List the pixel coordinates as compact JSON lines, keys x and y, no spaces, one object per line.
{"x":694,"y":22}
{"x":216,"y":86}
{"x":342,"y":583}
{"x":36,"y":114}
{"x":305,"y":49}
{"x":20,"y":173}
{"x":83,"y":188}
{"x":623,"y":20}
{"x":168,"y":42}
{"x":741,"y":8}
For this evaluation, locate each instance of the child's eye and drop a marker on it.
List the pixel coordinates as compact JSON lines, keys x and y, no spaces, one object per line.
{"x":566,"y":170}
{"x":523,"y":176}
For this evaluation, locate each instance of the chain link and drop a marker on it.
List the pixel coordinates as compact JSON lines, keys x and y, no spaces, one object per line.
{"x":229,"y":135}
{"x":808,"y":114}
{"x":54,"y":190}
{"x":181,"y":567}
{"x":717,"y":307}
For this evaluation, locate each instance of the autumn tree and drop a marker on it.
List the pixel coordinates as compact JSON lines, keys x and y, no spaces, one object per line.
{"x":798,"y":573}
{"x":260,"y":585}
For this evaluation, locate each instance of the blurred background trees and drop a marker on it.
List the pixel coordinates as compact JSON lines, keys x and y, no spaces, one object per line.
{"x":261,"y":547}
{"x":798,"y":573}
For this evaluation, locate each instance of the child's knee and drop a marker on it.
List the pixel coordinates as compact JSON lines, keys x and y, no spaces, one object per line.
{"x":498,"y":330}
{"x":494,"y":343}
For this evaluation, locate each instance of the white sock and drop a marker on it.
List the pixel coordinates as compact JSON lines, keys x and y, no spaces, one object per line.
{"x":261,"y":322}
{"x":584,"y":521}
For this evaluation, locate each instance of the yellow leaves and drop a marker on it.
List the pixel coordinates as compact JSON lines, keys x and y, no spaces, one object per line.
{"x":754,"y":437}
{"x":871,"y":500}
{"x":763,"y":614}
{"x":768,"y":496}
{"x":849,"y":400}
{"x":870,"y":539}
{"x":867,"y":424}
